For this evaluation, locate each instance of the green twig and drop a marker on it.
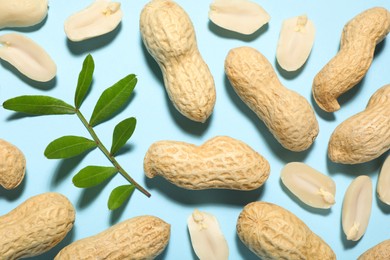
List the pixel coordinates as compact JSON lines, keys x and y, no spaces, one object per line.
{"x":109,"y":156}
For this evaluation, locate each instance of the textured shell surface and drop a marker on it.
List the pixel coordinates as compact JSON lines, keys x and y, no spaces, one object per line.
{"x":169,"y":36}
{"x":35,"y":226}
{"x":12,"y":165}
{"x":366,"y":135}
{"x":287,"y":114}
{"x":142,"y":237}
{"x":272,"y":232}
{"x":221,"y":162}
{"x":359,"y":38}
{"x":380,"y":251}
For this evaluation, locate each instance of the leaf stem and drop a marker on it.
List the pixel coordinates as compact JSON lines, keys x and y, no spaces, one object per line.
{"x":108,"y":154}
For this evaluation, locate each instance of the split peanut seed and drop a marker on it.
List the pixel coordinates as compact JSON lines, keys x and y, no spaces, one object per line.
{"x":207,"y":238}
{"x":310,"y":186}
{"x":356,"y":209}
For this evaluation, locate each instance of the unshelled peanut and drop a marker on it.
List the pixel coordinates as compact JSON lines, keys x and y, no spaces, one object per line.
{"x":379,"y":252}
{"x":143,"y":237}
{"x":288,"y":115}
{"x":12,"y":165}
{"x":366,"y":135}
{"x":220,"y":163}
{"x":383,"y":183}
{"x":35,"y":226}
{"x":169,"y":36}
{"x":358,"y":40}
{"x":272,"y":232}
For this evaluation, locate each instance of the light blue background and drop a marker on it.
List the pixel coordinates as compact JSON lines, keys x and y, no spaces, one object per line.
{"x":120,"y":53}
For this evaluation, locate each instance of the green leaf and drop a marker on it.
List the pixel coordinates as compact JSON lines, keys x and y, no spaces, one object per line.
{"x":68,"y":146}
{"x":119,"y":195}
{"x":93,"y":175}
{"x":85,"y":80}
{"x":122,"y":133}
{"x":39,"y":105}
{"x":112,"y":99}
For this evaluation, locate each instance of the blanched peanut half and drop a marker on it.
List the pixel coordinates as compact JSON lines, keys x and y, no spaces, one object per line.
{"x":296,"y":40}
{"x":27,"y":57}
{"x":383,"y":185}
{"x":206,"y":236}
{"x":240,"y":16}
{"x":310,"y":186}
{"x":357,"y":207}
{"x":22,"y":13}
{"x":101,"y":17}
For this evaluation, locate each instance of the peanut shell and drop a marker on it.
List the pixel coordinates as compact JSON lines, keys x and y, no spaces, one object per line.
{"x":364,"y":136}
{"x":143,"y":237}
{"x":383,"y":183}
{"x":379,"y":252}
{"x":12,"y":165}
{"x":288,"y":115}
{"x":169,"y":36}
{"x":358,"y":40}
{"x":272,"y":232}
{"x":220,"y":163}
{"x":35,"y":226}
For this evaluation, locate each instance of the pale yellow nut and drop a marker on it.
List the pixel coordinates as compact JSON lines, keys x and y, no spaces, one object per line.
{"x":383,"y":183}
{"x":220,"y":163}
{"x":169,"y":36}
{"x":309,"y":185}
{"x":272,"y":232}
{"x":35,"y":226}
{"x":379,"y":252}
{"x":241,"y":16}
{"x":143,"y":237}
{"x":358,"y":40}
{"x":366,"y":135}
{"x":12,"y":165}
{"x":27,"y":57}
{"x":206,"y":236}
{"x":22,"y":13}
{"x":296,"y":40}
{"x":357,"y":208}
{"x":99,"y":18}
{"x":288,"y":115}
